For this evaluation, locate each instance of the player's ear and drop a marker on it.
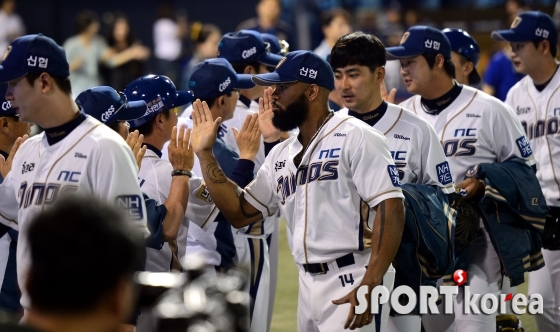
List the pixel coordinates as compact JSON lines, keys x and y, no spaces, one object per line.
{"x":469,"y":67}
{"x":312,"y":92}
{"x":4,"y":125}
{"x":249,"y":70}
{"x":380,"y":75}
{"x":46,"y":81}
{"x":440,"y":60}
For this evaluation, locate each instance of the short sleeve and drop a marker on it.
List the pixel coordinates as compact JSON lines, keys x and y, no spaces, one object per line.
{"x":509,"y":137}
{"x":373,"y":170}
{"x":260,"y":192}
{"x":200,"y":209}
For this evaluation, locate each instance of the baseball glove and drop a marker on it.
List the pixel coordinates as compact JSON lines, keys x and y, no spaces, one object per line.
{"x":466,"y":223}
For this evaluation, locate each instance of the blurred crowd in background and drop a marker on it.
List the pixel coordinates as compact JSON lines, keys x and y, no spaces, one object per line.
{"x":104,"y":49}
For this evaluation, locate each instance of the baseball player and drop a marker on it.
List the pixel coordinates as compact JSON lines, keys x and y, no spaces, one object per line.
{"x":473,"y":128}
{"x":10,"y":130}
{"x":113,"y":109}
{"x":75,"y":153}
{"x":535,"y":100}
{"x":234,"y":47}
{"x":413,"y":142}
{"x":465,"y":55}
{"x":156,"y":174}
{"x":318,"y":179}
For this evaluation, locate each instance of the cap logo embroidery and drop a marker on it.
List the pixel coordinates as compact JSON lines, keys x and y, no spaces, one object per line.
{"x":224,"y":85}
{"x":6,"y":105}
{"x":539,"y":32}
{"x":105,"y":116}
{"x":249,"y":52}
{"x":32,"y":61}
{"x":515,"y":22}
{"x":405,"y":37}
{"x":154,"y":105}
{"x":432,"y":44}
{"x":281,"y":62}
{"x":7,"y":52}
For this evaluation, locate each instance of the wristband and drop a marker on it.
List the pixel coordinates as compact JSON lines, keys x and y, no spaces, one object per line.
{"x":182,"y":172}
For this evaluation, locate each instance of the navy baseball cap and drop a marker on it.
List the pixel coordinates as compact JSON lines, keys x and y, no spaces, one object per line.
{"x":302,"y":66}
{"x":246,"y":46}
{"x":159,"y":93}
{"x":107,"y":105}
{"x":465,"y":45}
{"x":216,"y":77}
{"x":418,"y":40}
{"x":529,"y":26}
{"x":6,"y":104}
{"x":33,"y":54}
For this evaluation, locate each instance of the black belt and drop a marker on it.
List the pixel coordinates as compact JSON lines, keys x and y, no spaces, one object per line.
{"x":322,"y":268}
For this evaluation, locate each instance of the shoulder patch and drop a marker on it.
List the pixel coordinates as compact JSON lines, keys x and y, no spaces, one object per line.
{"x":131,"y":205}
{"x":524,"y":147}
{"x":203,"y":194}
{"x":394,"y":174}
{"x":444,"y":173}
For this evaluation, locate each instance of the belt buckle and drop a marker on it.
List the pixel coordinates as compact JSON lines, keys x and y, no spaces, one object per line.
{"x":322,"y":269}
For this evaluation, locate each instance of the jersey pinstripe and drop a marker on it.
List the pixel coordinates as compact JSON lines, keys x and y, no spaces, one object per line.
{"x":539,"y":113}
{"x":92,"y":159}
{"x":347,"y":162}
{"x":476,"y":128}
{"x":415,"y":148}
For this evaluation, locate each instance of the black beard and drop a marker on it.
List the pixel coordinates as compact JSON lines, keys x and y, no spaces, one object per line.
{"x":293,"y":116}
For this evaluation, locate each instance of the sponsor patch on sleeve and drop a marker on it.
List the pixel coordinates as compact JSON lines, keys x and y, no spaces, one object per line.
{"x":131,"y":205}
{"x":444,"y":173}
{"x":394,"y":174}
{"x":524,"y":147}
{"x":203,"y":194}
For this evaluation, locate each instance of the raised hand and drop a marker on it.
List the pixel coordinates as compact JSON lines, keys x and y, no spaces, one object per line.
{"x":180,"y":152}
{"x":269,"y":132}
{"x":249,"y":138}
{"x":134,"y":141}
{"x":388,"y":96}
{"x":6,"y":164}
{"x":205,"y":129}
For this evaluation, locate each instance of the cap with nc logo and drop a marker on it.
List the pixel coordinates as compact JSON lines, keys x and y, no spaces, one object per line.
{"x":246,"y":46}
{"x":108,"y":106}
{"x":299,"y":66}
{"x":6,"y":104}
{"x":529,"y":26}
{"x":33,"y":54}
{"x":216,"y":77}
{"x":421,"y":39}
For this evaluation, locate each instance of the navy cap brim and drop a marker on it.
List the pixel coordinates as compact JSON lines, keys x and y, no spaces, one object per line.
{"x":135,"y":110}
{"x":273,"y":78}
{"x":399,"y":52}
{"x":244,"y":82}
{"x":183,"y":98}
{"x":270,"y":59}
{"x":509,"y":36}
{"x":7,"y":75}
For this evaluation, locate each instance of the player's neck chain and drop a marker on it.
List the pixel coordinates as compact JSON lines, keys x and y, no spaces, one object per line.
{"x":435,"y":106}
{"x":297,"y":158}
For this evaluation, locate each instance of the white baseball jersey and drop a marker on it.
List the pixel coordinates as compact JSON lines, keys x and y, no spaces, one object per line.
{"x":415,"y":148}
{"x":155,"y":181}
{"x":476,"y":128}
{"x":539,"y":113}
{"x":346,"y":162}
{"x":92,"y":159}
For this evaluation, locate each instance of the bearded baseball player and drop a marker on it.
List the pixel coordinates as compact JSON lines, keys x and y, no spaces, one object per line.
{"x":358,"y":61}
{"x":75,"y":153}
{"x":535,"y":99}
{"x":317,"y":180}
{"x":474,"y":128}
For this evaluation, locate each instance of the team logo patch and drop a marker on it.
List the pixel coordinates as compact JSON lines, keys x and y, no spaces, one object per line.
{"x":394,"y":174}
{"x":404,"y":37}
{"x":131,"y":205}
{"x":524,"y":147}
{"x":515,"y":22}
{"x":444,"y":173}
{"x":203,"y":194}
{"x":6,"y":105}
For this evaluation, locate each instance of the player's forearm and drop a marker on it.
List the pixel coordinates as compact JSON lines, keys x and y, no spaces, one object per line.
{"x":386,"y":238}
{"x":176,"y":205}
{"x":223,"y":191}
